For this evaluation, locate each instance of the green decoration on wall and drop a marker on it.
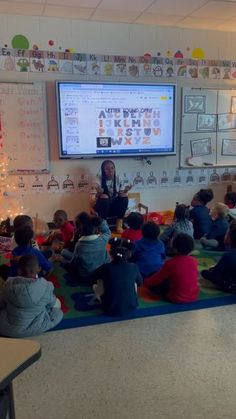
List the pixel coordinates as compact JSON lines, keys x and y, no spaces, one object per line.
{"x":20,"y":42}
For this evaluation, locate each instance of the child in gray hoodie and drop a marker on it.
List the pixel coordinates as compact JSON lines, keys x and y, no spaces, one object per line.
{"x":28,"y":305}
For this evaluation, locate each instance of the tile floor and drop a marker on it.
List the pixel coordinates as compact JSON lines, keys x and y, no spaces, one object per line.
{"x":179,"y":366}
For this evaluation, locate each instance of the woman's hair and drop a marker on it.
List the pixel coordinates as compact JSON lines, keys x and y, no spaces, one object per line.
{"x":91,"y":226}
{"x":103,"y":178}
{"x":23,"y":236}
{"x":205,"y":195}
{"x":135,"y":220}
{"x":120,"y":249}
{"x":22,"y":221}
{"x":230,"y":198}
{"x":181,"y":212}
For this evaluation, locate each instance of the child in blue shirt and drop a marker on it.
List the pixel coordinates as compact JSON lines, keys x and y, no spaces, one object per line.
{"x":199,"y":214}
{"x":214,"y":240}
{"x":23,"y":237}
{"x":149,"y":252}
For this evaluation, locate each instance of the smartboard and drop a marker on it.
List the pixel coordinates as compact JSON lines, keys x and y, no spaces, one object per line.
{"x":23,"y":127}
{"x":208,"y":127}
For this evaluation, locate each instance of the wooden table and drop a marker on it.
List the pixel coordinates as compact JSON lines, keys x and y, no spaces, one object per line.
{"x":15,"y":356}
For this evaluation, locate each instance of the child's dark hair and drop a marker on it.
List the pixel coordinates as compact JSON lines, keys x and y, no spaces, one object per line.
{"x":60,"y":214}
{"x":91,"y":226}
{"x":183,"y":243}
{"x":120,"y":249}
{"x":181,"y":212}
{"x":232,"y":233}
{"x":119,"y":254}
{"x":205,"y":195}
{"x":150,"y":230}
{"x":119,"y":242}
{"x":81,"y":219}
{"x":23,"y":236}
{"x":135,"y":220}
{"x":230,"y":198}
{"x":22,"y":221}
{"x":28,"y":264}
{"x":5,"y":271}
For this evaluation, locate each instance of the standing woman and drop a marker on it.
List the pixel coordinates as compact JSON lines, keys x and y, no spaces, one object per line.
{"x":111,"y":200}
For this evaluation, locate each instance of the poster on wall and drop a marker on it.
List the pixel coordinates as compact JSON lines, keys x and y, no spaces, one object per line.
{"x":151,"y":179}
{"x":83,"y":183}
{"x":37,"y":184}
{"x":53,"y":184}
{"x":201,"y":147}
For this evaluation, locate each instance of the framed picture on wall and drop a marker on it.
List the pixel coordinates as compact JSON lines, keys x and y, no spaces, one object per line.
{"x":201,"y":147}
{"x":228,"y":147}
{"x":194,"y":104}
{"x":206,"y":122}
{"x":233,"y":104}
{"x":226,"y":121}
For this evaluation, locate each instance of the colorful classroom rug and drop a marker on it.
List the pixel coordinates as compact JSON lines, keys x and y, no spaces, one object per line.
{"x":81,"y":309}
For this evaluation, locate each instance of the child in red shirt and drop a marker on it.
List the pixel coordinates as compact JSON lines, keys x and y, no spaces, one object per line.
{"x":61,"y":238}
{"x":66,"y":228}
{"x":134,"y":222}
{"x":177,"y":280}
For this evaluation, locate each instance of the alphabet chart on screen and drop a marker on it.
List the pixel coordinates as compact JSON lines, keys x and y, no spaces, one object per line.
{"x":102,"y":119}
{"x":23,"y":127}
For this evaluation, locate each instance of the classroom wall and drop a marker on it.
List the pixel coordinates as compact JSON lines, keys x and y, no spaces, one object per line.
{"x":111,"y":38}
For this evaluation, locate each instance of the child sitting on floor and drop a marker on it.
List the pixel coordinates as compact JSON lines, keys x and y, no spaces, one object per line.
{"x":23,"y":237}
{"x":177,"y":280}
{"x":214,"y":240}
{"x":149,"y":252}
{"x":62,"y":237}
{"x":181,"y":224}
{"x":28,"y":305}
{"x":134,"y":222}
{"x":90,"y":251}
{"x":223,"y":274}
{"x":230,"y":201}
{"x":21,"y":221}
{"x":199,"y":214}
{"x":117,"y":281}
{"x":80,"y":220}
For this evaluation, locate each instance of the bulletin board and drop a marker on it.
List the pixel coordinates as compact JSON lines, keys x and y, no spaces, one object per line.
{"x":23,"y":127}
{"x":208,"y":127}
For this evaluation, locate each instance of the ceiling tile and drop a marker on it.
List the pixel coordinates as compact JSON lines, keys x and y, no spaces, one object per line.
{"x":199,"y":23}
{"x":14,"y":8}
{"x":156,"y":19}
{"x":216,"y":9}
{"x":123,"y":5}
{"x":75,"y":3}
{"x":68,"y":12}
{"x":175,"y":7}
{"x":114,"y":16}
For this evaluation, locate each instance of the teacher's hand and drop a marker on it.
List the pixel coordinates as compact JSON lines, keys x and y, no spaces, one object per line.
{"x":125,"y":190}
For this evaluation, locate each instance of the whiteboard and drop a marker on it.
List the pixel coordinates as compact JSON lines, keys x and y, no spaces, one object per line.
{"x":208,"y":127}
{"x":23,"y":127}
